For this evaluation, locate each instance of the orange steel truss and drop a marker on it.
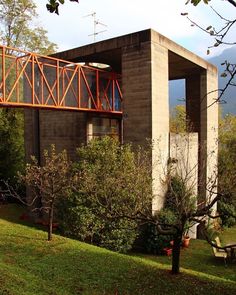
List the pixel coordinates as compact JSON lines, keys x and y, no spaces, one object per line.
{"x":31,"y":80}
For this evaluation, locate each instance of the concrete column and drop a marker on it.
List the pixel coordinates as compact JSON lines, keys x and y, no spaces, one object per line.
{"x":160,"y":122}
{"x":208,"y":130}
{"x":136,"y":87}
{"x":146,"y":106}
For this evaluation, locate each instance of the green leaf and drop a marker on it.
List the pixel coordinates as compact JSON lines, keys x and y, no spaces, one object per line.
{"x":62,"y":1}
{"x":196,"y":2}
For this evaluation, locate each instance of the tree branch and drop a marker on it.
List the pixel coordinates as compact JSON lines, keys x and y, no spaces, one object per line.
{"x":232,"y":2}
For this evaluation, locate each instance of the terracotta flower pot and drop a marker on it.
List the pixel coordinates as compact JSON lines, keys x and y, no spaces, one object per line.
{"x":185,"y":242}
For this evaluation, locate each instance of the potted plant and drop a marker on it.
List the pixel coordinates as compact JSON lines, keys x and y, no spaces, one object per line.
{"x":186,"y":238}
{"x":185,"y":241}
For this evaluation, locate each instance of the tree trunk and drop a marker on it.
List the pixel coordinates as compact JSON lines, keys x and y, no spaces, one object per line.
{"x":50,"y":221}
{"x":176,"y":254}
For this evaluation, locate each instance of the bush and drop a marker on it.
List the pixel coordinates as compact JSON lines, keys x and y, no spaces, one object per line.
{"x":227,"y":213}
{"x":76,"y":220}
{"x":118,"y":235}
{"x":113,"y":184}
{"x":82,"y":221}
{"x":154,"y":241}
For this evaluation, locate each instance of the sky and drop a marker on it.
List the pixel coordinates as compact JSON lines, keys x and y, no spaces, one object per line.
{"x":72,"y":27}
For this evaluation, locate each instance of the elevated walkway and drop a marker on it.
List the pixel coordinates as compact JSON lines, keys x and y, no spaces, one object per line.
{"x":35,"y":81}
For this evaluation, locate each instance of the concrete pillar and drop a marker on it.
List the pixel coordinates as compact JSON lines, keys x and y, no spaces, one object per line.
{"x":146,"y":106}
{"x":160,"y":122}
{"x":202,"y":116}
{"x":208,"y":131}
{"x":136,"y":87}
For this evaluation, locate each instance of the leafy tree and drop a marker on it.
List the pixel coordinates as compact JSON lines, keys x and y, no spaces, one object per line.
{"x":227,"y":169}
{"x":114,"y":185}
{"x":178,"y":119}
{"x":17,"y":30}
{"x":11,"y":143}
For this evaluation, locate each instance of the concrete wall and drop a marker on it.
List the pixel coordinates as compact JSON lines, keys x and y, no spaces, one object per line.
{"x":67,"y":130}
{"x":184,"y":153}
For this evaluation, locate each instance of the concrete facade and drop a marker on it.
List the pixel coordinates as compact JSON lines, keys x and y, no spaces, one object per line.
{"x":147,"y":62}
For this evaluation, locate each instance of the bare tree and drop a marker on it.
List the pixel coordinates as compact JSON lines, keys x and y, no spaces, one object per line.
{"x":220,"y":37}
{"x":47,"y":184}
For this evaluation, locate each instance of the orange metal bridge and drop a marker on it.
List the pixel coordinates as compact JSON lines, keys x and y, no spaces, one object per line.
{"x":31,"y":80}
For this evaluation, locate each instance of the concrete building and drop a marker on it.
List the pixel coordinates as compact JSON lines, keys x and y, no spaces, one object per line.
{"x":147,"y":61}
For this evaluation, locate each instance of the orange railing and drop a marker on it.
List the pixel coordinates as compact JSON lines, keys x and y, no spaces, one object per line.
{"x":31,"y":80}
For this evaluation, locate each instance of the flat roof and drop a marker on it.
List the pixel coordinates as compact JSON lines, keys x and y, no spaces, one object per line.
{"x":182,"y":62}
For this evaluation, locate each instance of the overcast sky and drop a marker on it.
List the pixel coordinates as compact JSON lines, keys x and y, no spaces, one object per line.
{"x":71,"y":28}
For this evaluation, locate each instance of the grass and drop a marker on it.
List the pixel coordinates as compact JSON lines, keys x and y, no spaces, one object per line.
{"x":31,"y":265}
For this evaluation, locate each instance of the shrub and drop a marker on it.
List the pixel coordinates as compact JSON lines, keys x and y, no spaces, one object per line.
{"x":77,"y":220}
{"x":227,"y":213}
{"x":84,"y":222}
{"x":154,"y":241}
{"x":113,"y":184}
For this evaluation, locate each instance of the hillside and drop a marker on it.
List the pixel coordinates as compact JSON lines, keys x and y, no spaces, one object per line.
{"x":31,"y":265}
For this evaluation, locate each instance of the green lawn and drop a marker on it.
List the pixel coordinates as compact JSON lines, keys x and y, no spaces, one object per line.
{"x":31,"y":265}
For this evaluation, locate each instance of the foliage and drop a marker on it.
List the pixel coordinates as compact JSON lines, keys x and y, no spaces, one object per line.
{"x":179,"y":196}
{"x":53,"y":5}
{"x":76,"y":218}
{"x":178,"y":119}
{"x":154,"y":241}
{"x":227,"y":212}
{"x":226,"y":162}
{"x":113,"y":184}
{"x":11,"y":143}
{"x":227,"y":168}
{"x":31,"y":266}
{"x":17,"y":30}
{"x":48,"y":182}
{"x":84,"y":222}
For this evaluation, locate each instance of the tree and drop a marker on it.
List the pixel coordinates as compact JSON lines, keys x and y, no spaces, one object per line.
{"x":47,"y":183}
{"x":178,"y":119}
{"x":11,"y":143}
{"x":17,"y":30}
{"x":53,"y":5}
{"x":220,"y":37}
{"x":114,"y":186}
{"x":227,"y":169}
